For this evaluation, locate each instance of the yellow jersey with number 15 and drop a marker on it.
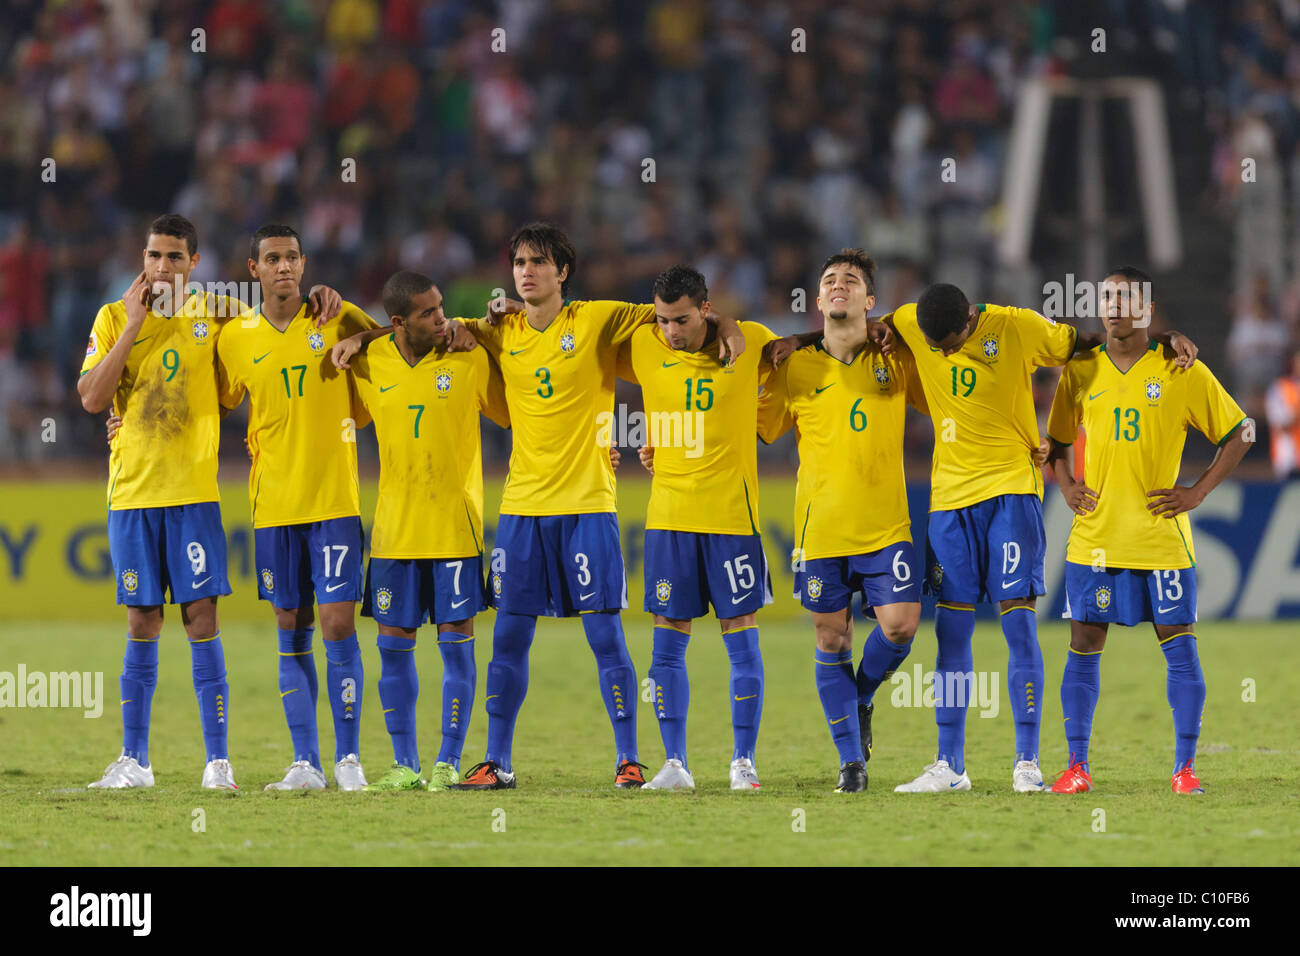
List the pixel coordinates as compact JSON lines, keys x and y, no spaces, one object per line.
{"x":982,"y":402}
{"x":303,"y":414}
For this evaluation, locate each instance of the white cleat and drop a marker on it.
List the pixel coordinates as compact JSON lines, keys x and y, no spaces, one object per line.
{"x":301,"y":775}
{"x":743,"y":774}
{"x":219,"y":775}
{"x":937,"y":778}
{"x":1027,"y":778}
{"x":673,"y":776}
{"x":348,"y":774}
{"x":123,"y":773}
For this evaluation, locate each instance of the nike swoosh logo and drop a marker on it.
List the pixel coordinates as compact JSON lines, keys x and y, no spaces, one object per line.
{"x":385,"y":388}
{"x":1163,"y":610}
{"x":671,"y":364}
{"x":741,"y":598}
{"x":957,"y":784}
{"x":837,"y":720}
{"x":517,"y":351}
{"x":902,"y":587}
{"x":1008,"y":584}
{"x":583,"y":597}
{"x":752,"y":696}
{"x":145,"y":339}
{"x":1099,"y":394}
{"x":459,"y":603}
{"x":329,"y":588}
{"x":818,"y":391}
{"x":199,"y":584}
{"x":260,"y":357}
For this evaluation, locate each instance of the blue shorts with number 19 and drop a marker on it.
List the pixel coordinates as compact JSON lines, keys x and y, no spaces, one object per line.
{"x":557,"y":565}
{"x":992,"y":550}
{"x":300,"y":564}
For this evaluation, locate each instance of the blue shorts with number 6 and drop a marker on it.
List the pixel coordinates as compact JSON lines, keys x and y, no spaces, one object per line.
{"x":887,"y":576}
{"x":180,"y":549}
{"x":557,"y":565}
{"x":407,"y":592}
{"x":992,"y":550}
{"x":1129,"y":597}
{"x":686,"y":571}
{"x":314,"y":563}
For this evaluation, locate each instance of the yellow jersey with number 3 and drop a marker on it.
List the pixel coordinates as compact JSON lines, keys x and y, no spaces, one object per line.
{"x":557,"y":383}
{"x":303,"y":414}
{"x":426,"y":419}
{"x":851,"y":491}
{"x":165,"y":453}
{"x":699,"y":416}
{"x":982,"y":402}
{"x":1136,"y":425}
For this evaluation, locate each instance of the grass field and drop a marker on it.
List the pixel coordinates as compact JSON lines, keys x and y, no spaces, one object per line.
{"x":567,"y":812}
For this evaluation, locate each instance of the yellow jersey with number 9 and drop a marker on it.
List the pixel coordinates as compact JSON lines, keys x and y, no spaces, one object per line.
{"x":1136,"y":425}
{"x":303,"y":414}
{"x":982,"y":402}
{"x":165,"y":453}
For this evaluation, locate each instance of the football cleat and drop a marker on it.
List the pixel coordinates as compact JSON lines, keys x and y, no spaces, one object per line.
{"x":1184,"y":781}
{"x":743,"y":775}
{"x":486,"y":776}
{"x":219,"y":775}
{"x":443,"y":776}
{"x":938,"y":777}
{"x":301,"y":775}
{"x":398,"y":777}
{"x":853,"y":778}
{"x":864,"y":727}
{"x":1026,"y":777}
{"x":1074,"y":780}
{"x":124,"y":773}
{"x":673,"y":776}
{"x":629,"y":775}
{"x":348,"y":774}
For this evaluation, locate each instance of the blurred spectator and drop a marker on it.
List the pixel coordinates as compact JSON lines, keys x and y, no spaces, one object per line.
{"x":1283,"y":407}
{"x":1255,"y":345}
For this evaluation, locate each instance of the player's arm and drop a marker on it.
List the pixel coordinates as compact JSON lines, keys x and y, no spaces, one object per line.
{"x":880,"y":331}
{"x":323,"y":303}
{"x":1169,"y":502}
{"x":492,"y":390}
{"x":1062,"y":429}
{"x":1182,"y":348}
{"x":775,"y":417}
{"x":98,"y":384}
{"x":345,"y":349}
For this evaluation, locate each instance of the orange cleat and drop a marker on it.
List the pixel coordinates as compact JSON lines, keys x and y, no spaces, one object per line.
{"x":1186,"y":781}
{"x":1074,"y":780}
{"x":629,"y":775}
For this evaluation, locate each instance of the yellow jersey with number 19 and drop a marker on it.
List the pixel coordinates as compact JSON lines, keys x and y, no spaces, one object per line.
{"x":303,"y":414}
{"x":165,"y":453}
{"x":982,"y":402}
{"x":1136,"y":425}
{"x":430,"y":455}
{"x":557,"y":383}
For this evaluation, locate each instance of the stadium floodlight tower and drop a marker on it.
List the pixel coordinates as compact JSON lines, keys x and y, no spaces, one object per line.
{"x":1151,"y":157}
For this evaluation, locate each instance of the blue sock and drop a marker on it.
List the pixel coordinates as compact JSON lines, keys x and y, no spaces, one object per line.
{"x":298,"y":692}
{"x":208,"y":661}
{"x":346,"y":677}
{"x":880,"y":658}
{"x":1024,"y":677}
{"x":1185,"y":687}
{"x":139,"y":676}
{"x":953,"y":627}
{"x":459,"y":677}
{"x":399,"y":689}
{"x":1080,"y":689}
{"x":672,"y":689}
{"x":746,"y":688}
{"x":507,"y":683}
{"x":839,"y":693}
{"x":617,"y":677}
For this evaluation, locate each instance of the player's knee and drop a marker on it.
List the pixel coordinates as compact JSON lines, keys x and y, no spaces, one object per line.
{"x":504,"y":688}
{"x":465,"y":627}
{"x":1030,"y":603}
{"x":144,"y":623}
{"x":833,"y":639}
{"x":901,"y":628}
{"x":294,"y":618}
{"x":736,"y":623}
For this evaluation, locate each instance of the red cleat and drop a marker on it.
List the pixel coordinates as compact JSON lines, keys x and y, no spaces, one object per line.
{"x":1074,"y":780}
{"x":1186,"y":781}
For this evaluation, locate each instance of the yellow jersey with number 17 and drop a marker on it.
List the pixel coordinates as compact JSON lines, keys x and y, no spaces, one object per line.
{"x":165,"y":453}
{"x":982,"y":402}
{"x":557,"y":383}
{"x":303,"y":414}
{"x":430,"y":455}
{"x":1136,"y":425}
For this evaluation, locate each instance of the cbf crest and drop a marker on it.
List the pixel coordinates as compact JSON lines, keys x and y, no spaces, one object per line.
{"x":990,"y":346}
{"x":200,"y":329}
{"x":130,"y":580}
{"x":496,"y":583}
{"x":567,"y":343}
{"x":383,"y":599}
{"x":882,"y":376}
{"x":814,"y":586}
{"x":1154,"y":388}
{"x":268,"y":581}
{"x":316,"y":342}
{"x":442,"y":381}
{"x":663,"y":590}
{"x":1102,"y":597}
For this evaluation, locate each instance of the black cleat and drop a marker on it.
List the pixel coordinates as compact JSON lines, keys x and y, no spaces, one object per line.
{"x":853,"y":778}
{"x":486,"y":776}
{"x":864,"y":727}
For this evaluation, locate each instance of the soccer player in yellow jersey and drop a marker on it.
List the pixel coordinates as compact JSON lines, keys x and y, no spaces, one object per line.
{"x":305,"y":495}
{"x":1130,"y":557}
{"x":557,"y":546}
{"x":701,"y":542}
{"x":847,"y":402}
{"x":426,"y":546}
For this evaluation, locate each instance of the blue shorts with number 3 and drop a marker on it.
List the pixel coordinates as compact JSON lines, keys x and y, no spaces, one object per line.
{"x":557,"y":565}
{"x":1129,"y":597}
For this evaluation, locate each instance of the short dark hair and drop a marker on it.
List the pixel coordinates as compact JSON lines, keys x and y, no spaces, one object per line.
{"x":856,"y":258}
{"x":1134,"y":274}
{"x":272,"y":230}
{"x":178,"y":227}
{"x":942,"y":310}
{"x":401,"y":288}
{"x":677,"y":281}
{"x":550,"y":240}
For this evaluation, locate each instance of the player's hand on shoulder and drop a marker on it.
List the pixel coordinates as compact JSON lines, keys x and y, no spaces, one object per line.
{"x":500,"y":307}
{"x":731,"y":340}
{"x":136,"y":299}
{"x":324,"y":304}
{"x":778,"y":350}
{"x":1079,"y":497}
{"x":883,"y":336}
{"x":615,"y":456}
{"x":647,"y":456}
{"x":459,"y":338}
{"x":343,"y":350}
{"x":1185,"y":350}
{"x":1171,"y":502}
{"x":114,"y":426}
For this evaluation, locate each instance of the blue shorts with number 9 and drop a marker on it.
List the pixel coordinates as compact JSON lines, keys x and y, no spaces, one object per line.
{"x":887,"y":576}
{"x":179,"y":549}
{"x":686,"y":571}
{"x":1129,"y":597}
{"x":407,"y":592}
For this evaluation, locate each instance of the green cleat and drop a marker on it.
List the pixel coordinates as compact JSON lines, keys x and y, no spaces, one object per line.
{"x":444,"y":776}
{"x":399,"y":777}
